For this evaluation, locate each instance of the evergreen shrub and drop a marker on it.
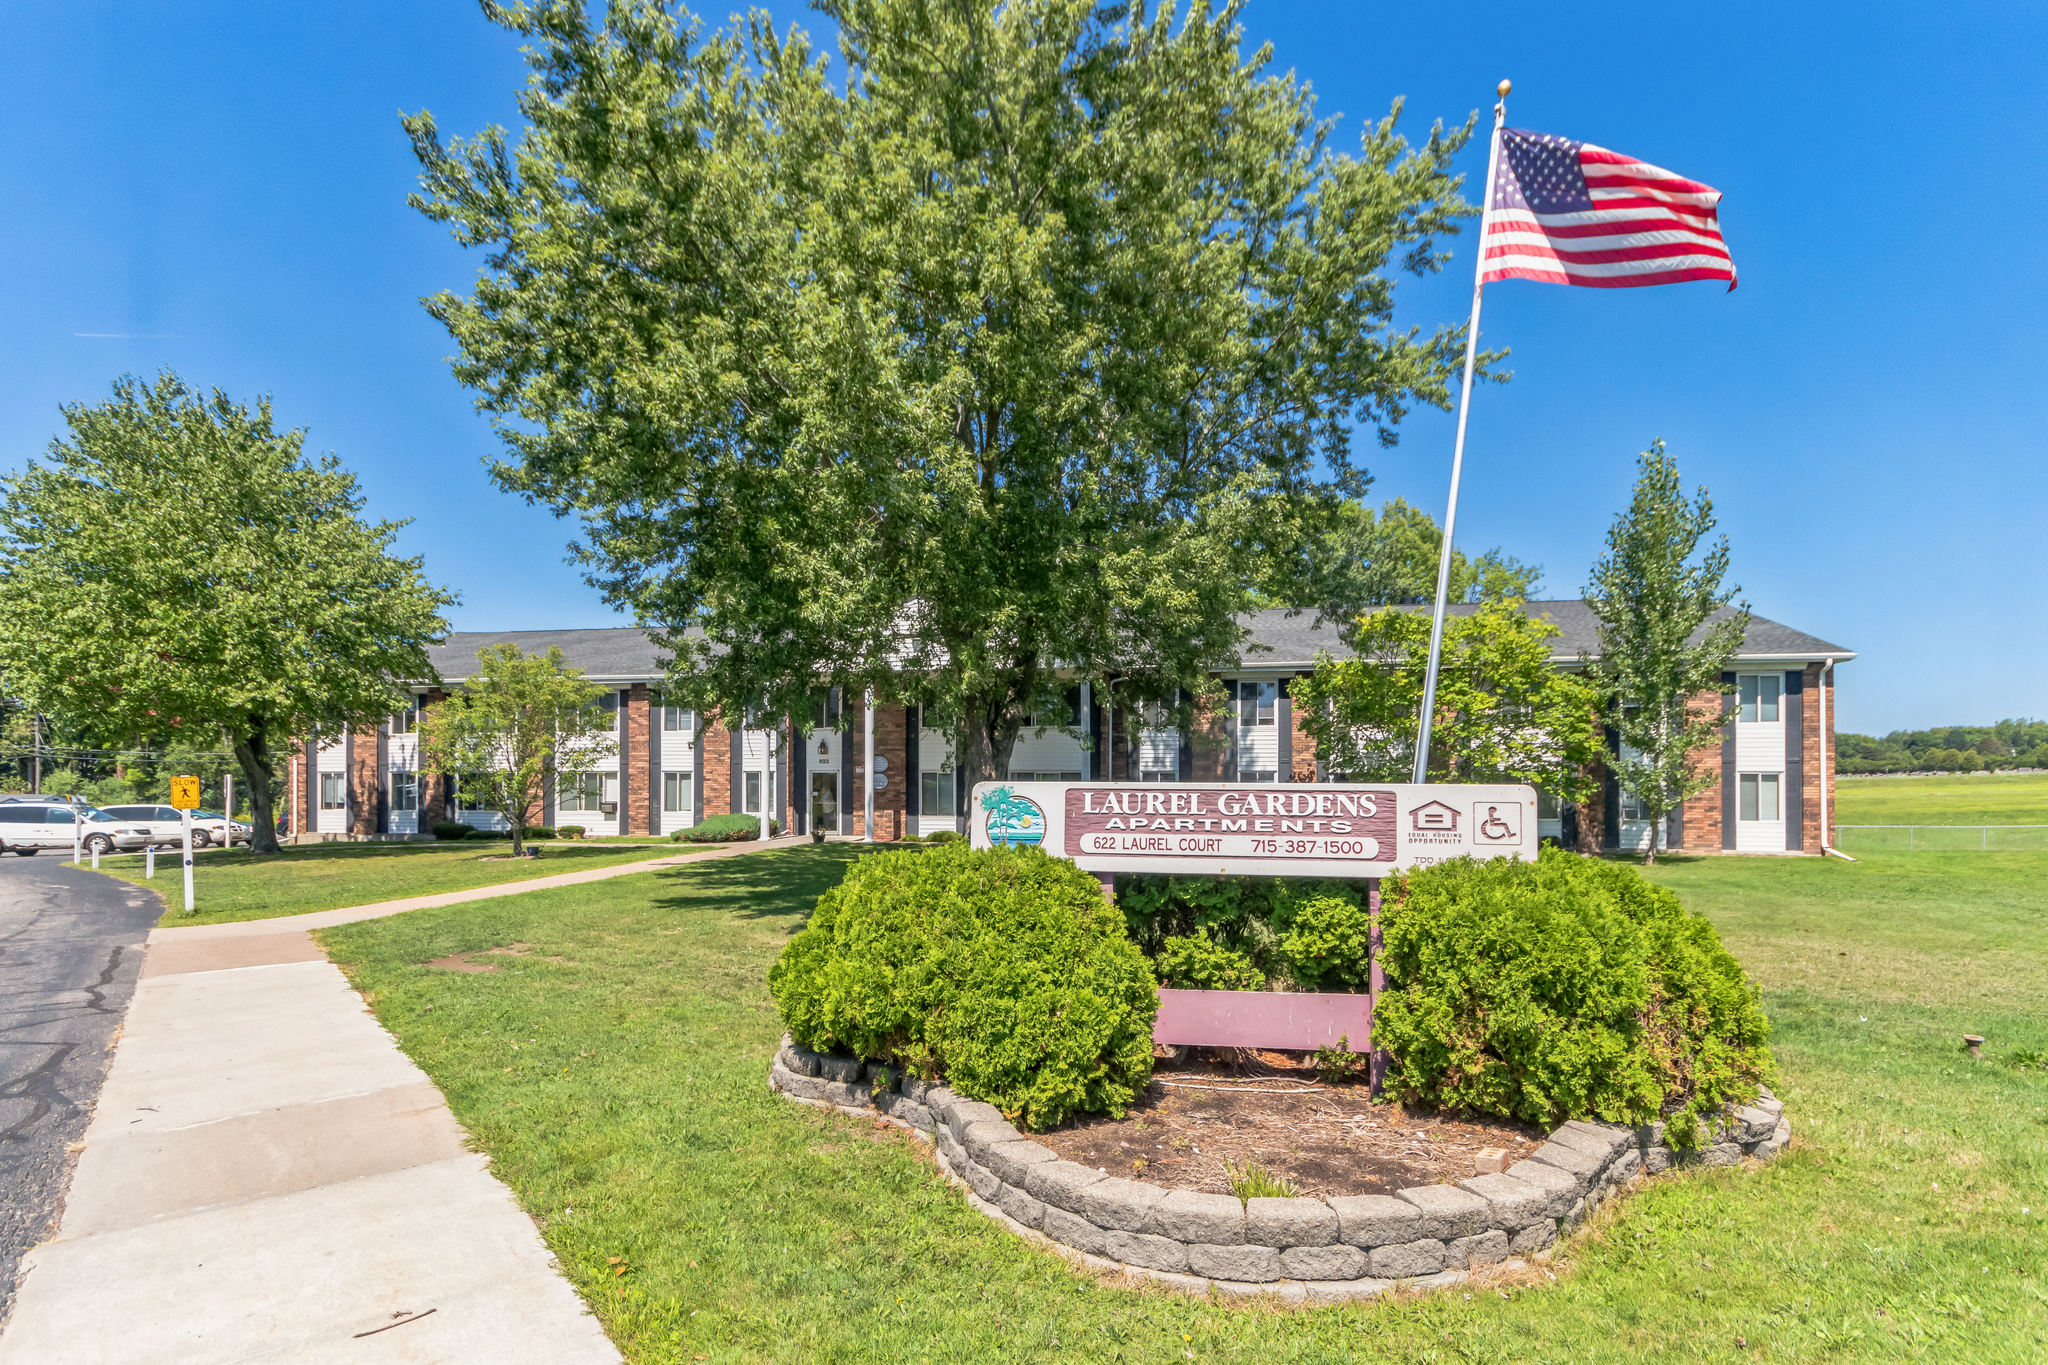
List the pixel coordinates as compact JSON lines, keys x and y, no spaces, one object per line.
{"x":450,"y":829}
{"x":1565,"y":988}
{"x":1002,"y":971}
{"x":570,"y":831}
{"x":1194,"y":963}
{"x":1328,"y":947}
{"x":726,"y":829}
{"x":536,"y":832}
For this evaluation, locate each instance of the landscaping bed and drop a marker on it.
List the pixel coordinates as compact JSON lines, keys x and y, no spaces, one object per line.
{"x":1198,"y":1121}
{"x":758,"y":1230}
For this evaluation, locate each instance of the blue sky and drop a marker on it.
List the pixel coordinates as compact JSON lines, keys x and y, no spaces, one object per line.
{"x":220,"y":188}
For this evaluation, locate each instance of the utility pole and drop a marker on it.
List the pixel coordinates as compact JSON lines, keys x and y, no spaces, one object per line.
{"x":35,"y":730}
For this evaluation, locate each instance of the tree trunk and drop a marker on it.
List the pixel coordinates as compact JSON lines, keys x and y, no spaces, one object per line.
{"x":252,"y":755}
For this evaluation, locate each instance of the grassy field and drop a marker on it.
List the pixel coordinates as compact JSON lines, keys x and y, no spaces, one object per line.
{"x":1992,"y":799}
{"x":238,"y":885}
{"x":615,"y":1075}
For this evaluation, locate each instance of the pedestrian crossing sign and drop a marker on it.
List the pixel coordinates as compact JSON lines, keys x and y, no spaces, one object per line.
{"x":185,"y":793}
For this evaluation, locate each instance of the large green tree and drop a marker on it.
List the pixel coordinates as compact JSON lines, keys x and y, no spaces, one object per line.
{"x":1386,"y":556}
{"x":1667,"y":631}
{"x":177,"y":568}
{"x":1033,"y":337}
{"x":1505,"y":712}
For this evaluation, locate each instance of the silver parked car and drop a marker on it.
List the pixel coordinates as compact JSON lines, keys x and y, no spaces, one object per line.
{"x":27,"y":826}
{"x":166,"y":830}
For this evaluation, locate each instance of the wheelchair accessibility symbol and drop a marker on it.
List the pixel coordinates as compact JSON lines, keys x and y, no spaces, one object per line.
{"x":1497,"y":822}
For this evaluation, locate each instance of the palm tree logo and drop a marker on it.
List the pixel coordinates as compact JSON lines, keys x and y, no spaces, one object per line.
{"x":1013,"y":821}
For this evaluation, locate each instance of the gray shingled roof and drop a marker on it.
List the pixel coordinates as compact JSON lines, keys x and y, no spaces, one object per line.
{"x":1277,"y":640}
{"x":601,"y":652}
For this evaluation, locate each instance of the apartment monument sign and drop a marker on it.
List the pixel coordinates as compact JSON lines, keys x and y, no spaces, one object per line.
{"x":1258,"y":829}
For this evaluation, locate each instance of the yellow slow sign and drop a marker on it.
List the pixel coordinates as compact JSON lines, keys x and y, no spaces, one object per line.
{"x":185,"y":793}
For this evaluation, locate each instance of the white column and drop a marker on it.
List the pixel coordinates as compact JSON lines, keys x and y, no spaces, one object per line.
{"x":867,"y":795}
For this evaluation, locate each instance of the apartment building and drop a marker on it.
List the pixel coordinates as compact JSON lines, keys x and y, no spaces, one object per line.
{"x":1773,"y":793}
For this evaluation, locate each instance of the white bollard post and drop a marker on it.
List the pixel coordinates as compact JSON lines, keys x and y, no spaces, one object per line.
{"x":185,"y":819}
{"x":95,"y":857}
{"x":77,"y":834}
{"x":149,"y":863}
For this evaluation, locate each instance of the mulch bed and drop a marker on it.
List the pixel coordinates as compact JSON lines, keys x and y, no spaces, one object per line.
{"x":1268,"y":1108}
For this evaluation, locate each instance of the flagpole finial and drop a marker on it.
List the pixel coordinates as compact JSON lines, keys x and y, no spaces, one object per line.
{"x":1504,"y":87}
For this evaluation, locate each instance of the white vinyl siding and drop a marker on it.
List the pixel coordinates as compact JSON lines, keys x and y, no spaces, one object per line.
{"x":936,"y":779}
{"x":1158,"y":747}
{"x":678,"y":795}
{"x":1255,"y":717}
{"x":580,"y":799}
{"x":1048,"y":750}
{"x":401,"y":773}
{"x":1760,"y":754}
{"x":331,"y":761}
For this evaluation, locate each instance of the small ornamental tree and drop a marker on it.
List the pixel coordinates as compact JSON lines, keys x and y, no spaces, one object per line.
{"x":179,"y":567}
{"x":1505,"y":713}
{"x":1666,"y":634}
{"x":514,"y":727}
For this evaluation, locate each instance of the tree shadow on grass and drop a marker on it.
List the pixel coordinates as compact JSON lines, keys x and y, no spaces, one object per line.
{"x":759,"y":886}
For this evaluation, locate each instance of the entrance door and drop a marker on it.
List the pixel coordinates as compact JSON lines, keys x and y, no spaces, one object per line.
{"x":825,"y":802}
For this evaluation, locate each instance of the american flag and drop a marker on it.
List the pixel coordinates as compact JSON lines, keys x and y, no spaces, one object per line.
{"x":1572,"y":213}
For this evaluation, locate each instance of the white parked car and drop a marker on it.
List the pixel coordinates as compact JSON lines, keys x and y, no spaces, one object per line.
{"x":211,"y":827}
{"x":166,"y":830}
{"x":29,"y":826}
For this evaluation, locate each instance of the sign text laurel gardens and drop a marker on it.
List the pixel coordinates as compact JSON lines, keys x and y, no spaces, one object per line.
{"x":1256,"y":829}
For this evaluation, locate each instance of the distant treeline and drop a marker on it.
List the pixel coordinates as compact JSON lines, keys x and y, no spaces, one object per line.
{"x":1950,"y":749}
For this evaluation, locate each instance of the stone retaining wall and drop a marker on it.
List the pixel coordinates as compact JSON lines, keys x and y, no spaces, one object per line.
{"x":1349,"y":1246}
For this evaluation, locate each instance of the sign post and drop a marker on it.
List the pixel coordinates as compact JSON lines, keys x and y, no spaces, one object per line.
{"x":185,"y":797}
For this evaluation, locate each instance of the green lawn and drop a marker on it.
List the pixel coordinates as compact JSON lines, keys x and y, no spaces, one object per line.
{"x":621,"y":1094}
{"x":1992,"y":799}
{"x":240,"y":885}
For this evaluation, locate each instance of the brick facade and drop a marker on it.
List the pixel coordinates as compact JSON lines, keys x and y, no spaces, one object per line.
{"x":636,"y":808}
{"x":714,"y":760}
{"x":1304,"y":747}
{"x":365,"y":779}
{"x":1210,"y":747}
{"x":892,"y":741}
{"x":1701,"y":826}
{"x":1812,"y":835}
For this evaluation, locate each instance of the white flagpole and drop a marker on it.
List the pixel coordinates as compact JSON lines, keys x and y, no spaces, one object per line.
{"x":1443,"y":562}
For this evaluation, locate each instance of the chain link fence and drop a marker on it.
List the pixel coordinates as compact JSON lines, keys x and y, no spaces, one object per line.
{"x":1942,"y":838}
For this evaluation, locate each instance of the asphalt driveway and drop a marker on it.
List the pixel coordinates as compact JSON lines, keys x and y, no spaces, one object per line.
{"x":70,"y":948}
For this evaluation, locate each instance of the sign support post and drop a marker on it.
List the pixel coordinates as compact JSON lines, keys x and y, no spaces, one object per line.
{"x":185,"y":796}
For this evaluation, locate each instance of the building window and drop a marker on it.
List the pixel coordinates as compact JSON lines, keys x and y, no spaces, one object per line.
{"x":1757,"y":696}
{"x":1758,"y":796}
{"x":587,"y":792}
{"x":1632,"y":808}
{"x":678,"y":792}
{"x":465,"y":800}
{"x":680,"y":720}
{"x":405,"y":790}
{"x":603,"y":711}
{"x":406,"y":719}
{"x":751,"y":802}
{"x":935,"y":792}
{"x":1258,"y":703}
{"x":1019,"y":775}
{"x":333,"y":791}
{"x":1547,"y":806}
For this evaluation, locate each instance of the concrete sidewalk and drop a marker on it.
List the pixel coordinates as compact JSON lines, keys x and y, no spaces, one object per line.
{"x":320,"y":919}
{"x":267,"y":1177}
